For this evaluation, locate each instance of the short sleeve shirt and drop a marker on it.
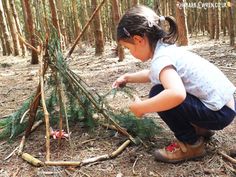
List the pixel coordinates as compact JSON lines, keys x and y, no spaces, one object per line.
{"x":200,"y":77}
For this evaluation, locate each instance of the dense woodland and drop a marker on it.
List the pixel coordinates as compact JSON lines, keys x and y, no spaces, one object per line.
{"x":23,"y":21}
{"x":58,"y":27}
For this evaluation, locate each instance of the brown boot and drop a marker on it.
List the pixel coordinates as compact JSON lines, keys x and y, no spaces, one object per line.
{"x":203,"y":132}
{"x":178,"y":152}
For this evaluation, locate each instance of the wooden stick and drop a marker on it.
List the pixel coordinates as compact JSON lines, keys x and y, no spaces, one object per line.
{"x":46,"y":114}
{"x":13,"y":152}
{"x":28,"y":44}
{"x":32,"y":160}
{"x":84,"y":29}
{"x":21,"y":146}
{"x":230,"y":168}
{"x":62,"y":163}
{"x":230,"y":159}
{"x":22,"y":118}
{"x":120,"y":149}
{"x":90,"y":160}
{"x":23,"y":139}
{"x":36,"y":125}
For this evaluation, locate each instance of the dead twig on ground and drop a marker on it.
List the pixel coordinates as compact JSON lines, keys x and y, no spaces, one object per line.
{"x":230,"y":159}
{"x":32,"y":160}
{"x":133,"y":171}
{"x":90,"y":160}
{"x":12,"y":153}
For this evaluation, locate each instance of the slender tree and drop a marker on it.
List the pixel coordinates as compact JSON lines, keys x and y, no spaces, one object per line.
{"x":116,"y":18}
{"x":61,"y":20}
{"x":18,"y":25}
{"x":76,"y":21}
{"x":4,"y":50}
{"x":54,"y":16}
{"x":99,"y":39}
{"x":34,"y":55}
{"x":211,"y":21}
{"x":182,"y":25}
{"x":26,"y":27}
{"x":12,"y":26}
{"x":4,"y":30}
{"x":231,"y":21}
{"x":88,"y":34}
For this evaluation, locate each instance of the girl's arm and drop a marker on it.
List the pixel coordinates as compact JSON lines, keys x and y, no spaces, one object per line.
{"x":138,"y":77}
{"x":173,"y":94}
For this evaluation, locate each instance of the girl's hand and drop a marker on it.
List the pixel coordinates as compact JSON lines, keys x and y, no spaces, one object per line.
{"x":120,"y":82}
{"x":134,"y":107}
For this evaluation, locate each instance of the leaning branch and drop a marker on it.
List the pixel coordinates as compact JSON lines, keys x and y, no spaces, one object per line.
{"x":84,"y":29}
{"x":28,"y":44}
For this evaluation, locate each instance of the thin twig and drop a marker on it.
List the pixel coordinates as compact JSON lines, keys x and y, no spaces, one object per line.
{"x":230,"y":159}
{"x":28,"y":44}
{"x":22,"y":118}
{"x":230,"y":168}
{"x":46,"y":114}
{"x":133,"y":171}
{"x":13,"y":152}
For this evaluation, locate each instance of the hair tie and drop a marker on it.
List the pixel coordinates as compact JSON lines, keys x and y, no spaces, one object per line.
{"x":150,"y":24}
{"x":126,"y":32}
{"x":162,"y":18}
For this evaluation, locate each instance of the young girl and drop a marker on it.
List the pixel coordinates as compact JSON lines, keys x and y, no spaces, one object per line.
{"x":190,"y":94}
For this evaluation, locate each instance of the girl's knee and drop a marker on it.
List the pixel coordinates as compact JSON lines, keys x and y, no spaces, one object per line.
{"x":156,"y":89}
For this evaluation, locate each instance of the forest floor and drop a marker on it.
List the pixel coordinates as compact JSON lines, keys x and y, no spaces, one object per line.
{"x":19,"y":79}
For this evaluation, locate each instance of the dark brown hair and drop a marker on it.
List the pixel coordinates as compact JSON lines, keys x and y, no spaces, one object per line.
{"x":143,"y":21}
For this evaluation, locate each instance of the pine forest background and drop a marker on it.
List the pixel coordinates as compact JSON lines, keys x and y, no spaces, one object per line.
{"x":32,"y":20}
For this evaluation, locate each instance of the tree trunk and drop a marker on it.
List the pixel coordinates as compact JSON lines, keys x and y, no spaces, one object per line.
{"x":88,"y":34}
{"x":77,"y":25}
{"x":116,"y":18}
{"x":99,"y":40}
{"x":211,"y":21}
{"x":12,"y":26}
{"x":181,"y":21}
{"x":135,"y":2}
{"x":26,"y":27}
{"x":61,"y":20}
{"x":231,"y":24}
{"x":34,"y":57}
{"x":45,"y":17}
{"x":156,"y":7}
{"x":217,"y":22}
{"x":17,"y":22}
{"x":5,"y":31}
{"x":4,"y":49}
{"x":54,"y":17}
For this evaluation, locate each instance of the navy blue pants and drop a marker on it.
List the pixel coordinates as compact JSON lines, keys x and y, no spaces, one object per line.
{"x":193,"y":111}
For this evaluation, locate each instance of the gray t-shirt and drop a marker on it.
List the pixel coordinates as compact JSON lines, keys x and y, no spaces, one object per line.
{"x":200,"y":77}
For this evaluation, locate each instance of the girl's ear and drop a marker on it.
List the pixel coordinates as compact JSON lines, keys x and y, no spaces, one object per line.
{"x":138,"y":39}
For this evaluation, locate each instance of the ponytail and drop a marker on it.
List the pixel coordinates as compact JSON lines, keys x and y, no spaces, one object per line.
{"x":173,"y":35}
